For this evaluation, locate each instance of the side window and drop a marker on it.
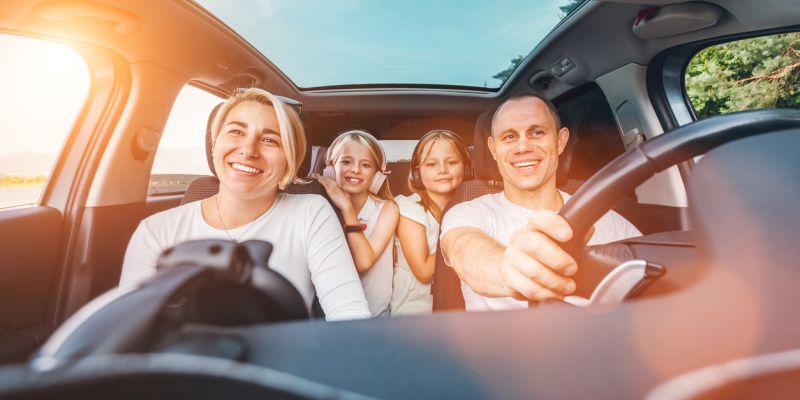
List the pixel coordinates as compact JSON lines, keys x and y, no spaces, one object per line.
{"x":43,"y":86}
{"x":181,"y":154}
{"x":762,"y":72}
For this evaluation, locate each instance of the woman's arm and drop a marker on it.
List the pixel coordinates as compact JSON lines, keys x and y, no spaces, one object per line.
{"x":414,"y":244}
{"x":141,"y":256}
{"x":335,"y":280}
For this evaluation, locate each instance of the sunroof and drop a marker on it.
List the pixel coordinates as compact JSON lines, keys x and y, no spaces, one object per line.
{"x":351,"y":42}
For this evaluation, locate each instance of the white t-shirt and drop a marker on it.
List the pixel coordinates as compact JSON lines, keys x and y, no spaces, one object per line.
{"x":499,"y":218}
{"x":377,"y":281}
{"x":410,"y":296}
{"x":310,"y":249}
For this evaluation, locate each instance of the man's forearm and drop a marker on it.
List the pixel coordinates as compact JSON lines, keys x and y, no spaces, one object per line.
{"x":477,"y":259}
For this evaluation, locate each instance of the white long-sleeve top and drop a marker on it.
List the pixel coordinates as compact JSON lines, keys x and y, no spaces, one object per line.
{"x":310,"y":249}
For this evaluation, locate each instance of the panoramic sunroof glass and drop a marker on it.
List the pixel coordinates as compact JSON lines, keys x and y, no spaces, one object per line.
{"x":352,"y":42}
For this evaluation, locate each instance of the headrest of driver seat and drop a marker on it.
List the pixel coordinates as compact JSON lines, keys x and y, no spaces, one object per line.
{"x":485,"y":166}
{"x":209,"y":158}
{"x":305,"y":166}
{"x":565,"y":159}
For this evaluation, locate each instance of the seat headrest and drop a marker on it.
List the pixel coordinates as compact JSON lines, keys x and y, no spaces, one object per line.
{"x":305,"y":166}
{"x":565,"y":159}
{"x":485,"y":166}
{"x":209,"y":144}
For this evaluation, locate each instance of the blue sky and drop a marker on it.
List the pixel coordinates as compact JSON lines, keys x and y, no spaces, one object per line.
{"x":318,"y":43}
{"x":314,"y":42}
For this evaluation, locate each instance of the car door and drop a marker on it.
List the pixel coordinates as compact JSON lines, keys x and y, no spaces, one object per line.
{"x":55,"y":101}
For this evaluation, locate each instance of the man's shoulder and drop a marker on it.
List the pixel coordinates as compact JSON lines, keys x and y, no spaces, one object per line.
{"x":476,"y":213}
{"x":488,"y":202}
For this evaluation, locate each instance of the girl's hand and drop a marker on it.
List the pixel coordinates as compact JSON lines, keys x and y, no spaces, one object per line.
{"x":338,"y":197}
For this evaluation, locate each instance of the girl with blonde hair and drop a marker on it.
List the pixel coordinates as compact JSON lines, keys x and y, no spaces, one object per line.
{"x":439,"y":163}
{"x":355,"y":180}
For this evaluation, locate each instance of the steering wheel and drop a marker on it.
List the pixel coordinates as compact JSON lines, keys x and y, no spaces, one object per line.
{"x":208,"y":282}
{"x":603,"y":190}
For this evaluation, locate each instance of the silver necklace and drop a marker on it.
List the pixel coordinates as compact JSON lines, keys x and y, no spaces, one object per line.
{"x":225,"y":227}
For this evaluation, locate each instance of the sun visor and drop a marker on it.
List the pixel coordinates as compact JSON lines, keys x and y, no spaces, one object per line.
{"x":660,"y":22}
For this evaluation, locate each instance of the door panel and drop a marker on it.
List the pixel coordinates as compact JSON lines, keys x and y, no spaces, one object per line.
{"x":112,"y":227}
{"x":29,"y":246}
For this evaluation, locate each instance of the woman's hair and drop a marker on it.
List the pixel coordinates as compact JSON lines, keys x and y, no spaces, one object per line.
{"x":375,"y":150}
{"x":293,"y":137}
{"x":421,"y":152}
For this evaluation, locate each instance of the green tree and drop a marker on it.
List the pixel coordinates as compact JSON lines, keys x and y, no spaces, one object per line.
{"x":506,"y":73}
{"x":746,"y":74}
{"x":569,"y":7}
{"x":516,"y":61}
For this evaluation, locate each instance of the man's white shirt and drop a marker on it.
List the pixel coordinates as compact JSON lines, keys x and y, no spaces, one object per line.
{"x":499,"y":218}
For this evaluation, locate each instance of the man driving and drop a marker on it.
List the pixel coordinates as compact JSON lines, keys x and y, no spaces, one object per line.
{"x":505,"y":246}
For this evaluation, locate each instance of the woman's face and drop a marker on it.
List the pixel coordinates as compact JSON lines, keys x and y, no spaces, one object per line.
{"x":248,"y":153}
{"x":355,"y":168}
{"x":443,"y":169}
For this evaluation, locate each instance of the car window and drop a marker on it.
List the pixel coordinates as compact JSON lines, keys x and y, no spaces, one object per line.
{"x":43,"y":86}
{"x":181,"y":154}
{"x":398,"y":150}
{"x":762,"y":72}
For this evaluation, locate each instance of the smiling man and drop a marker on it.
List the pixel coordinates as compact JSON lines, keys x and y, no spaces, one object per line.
{"x":504,"y":246}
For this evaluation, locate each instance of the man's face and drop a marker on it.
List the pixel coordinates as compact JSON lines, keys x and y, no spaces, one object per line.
{"x":526,"y":145}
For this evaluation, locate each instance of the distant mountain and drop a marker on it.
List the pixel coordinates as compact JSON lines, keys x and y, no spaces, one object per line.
{"x":186,"y":160}
{"x":27,"y":163}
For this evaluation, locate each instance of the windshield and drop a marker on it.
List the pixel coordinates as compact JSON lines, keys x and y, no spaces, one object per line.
{"x":440,"y":43}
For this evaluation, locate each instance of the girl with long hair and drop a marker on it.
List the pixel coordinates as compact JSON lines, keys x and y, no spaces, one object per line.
{"x":439,"y":164}
{"x":355,"y":180}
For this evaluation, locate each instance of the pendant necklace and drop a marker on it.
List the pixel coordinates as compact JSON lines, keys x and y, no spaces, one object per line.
{"x":225,"y":227}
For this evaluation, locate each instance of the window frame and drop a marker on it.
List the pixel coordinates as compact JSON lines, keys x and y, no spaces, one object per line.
{"x":181,"y":193}
{"x":666,"y":82}
{"x":667,"y":71}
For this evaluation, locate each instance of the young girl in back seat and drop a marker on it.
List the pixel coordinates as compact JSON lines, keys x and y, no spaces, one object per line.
{"x":355,"y":180}
{"x":439,"y":164}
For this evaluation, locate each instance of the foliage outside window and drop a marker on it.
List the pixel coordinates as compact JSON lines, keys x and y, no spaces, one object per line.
{"x":761,"y":72}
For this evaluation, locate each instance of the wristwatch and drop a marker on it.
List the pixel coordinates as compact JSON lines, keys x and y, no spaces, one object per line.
{"x":353,"y":228}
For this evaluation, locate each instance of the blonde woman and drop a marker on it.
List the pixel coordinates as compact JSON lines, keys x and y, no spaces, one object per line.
{"x":439,"y":163}
{"x":355,"y":180}
{"x":258,"y":145}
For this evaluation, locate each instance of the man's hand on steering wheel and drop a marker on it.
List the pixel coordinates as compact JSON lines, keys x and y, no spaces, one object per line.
{"x":535,"y":267}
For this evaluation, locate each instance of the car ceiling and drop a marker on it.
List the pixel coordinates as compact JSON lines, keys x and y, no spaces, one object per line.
{"x":199,"y":48}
